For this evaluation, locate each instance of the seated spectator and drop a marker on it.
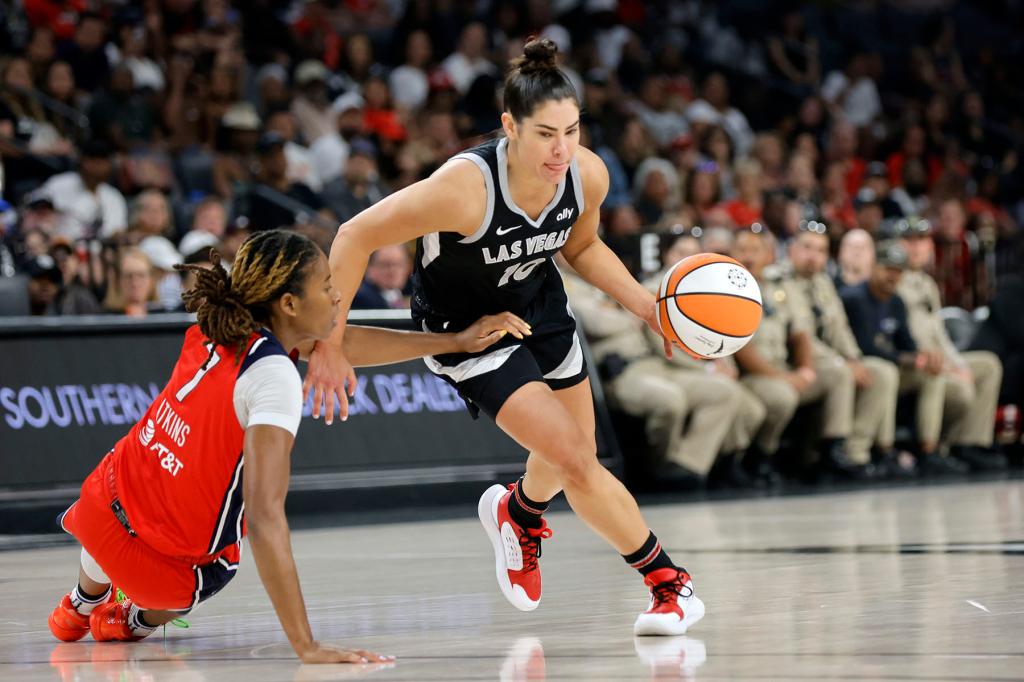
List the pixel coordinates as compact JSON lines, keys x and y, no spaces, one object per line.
{"x":120,"y":116}
{"x":655,"y":111}
{"x":167,"y":282}
{"x":44,"y":284}
{"x":769,"y":150}
{"x":330,"y":152}
{"x":133,"y":290}
{"x":409,"y":83}
{"x":955,"y":268}
{"x":87,"y":204}
{"x":151,"y":215}
{"x":359,"y":187}
{"x":210,"y":215}
{"x":74,"y":297}
{"x":713,"y":109}
{"x":793,"y":55}
{"x":655,"y":190}
{"x":86,"y":52}
{"x":836,"y":204}
{"x":748,"y":205}
{"x":237,"y":138}
{"x":878,"y":319}
{"x":299,"y":157}
{"x":870,"y":215}
{"x":1002,"y":333}
{"x":716,"y":146}
{"x":386,"y":281}
{"x":876,"y":179}
{"x":272,"y":202}
{"x":855,"y":260}
{"x":853,"y":91}
{"x":972,"y":378}
{"x":470,"y":59}
{"x":380,"y":118}
{"x":703,"y":190}
{"x":311,"y":105}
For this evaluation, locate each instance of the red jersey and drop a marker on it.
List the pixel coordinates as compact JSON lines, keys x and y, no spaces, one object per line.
{"x":178,"y":472}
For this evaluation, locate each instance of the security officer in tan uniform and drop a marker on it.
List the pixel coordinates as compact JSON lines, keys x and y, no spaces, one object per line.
{"x":688,"y":414}
{"x":972,"y":378}
{"x":709,"y":374}
{"x":813,"y":295}
{"x":778,"y":366}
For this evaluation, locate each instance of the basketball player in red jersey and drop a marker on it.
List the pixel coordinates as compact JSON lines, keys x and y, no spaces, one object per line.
{"x":162,"y":517}
{"x":489,"y":222}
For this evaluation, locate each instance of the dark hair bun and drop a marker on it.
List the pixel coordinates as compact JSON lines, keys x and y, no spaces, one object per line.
{"x":538,"y":57}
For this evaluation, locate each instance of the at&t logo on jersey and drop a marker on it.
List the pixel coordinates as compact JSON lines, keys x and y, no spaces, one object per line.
{"x":147,"y":432}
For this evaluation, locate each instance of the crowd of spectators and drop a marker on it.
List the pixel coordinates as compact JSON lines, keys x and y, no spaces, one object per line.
{"x":135,"y":136}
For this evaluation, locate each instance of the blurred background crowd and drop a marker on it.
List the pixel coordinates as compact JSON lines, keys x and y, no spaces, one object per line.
{"x":861,"y":158}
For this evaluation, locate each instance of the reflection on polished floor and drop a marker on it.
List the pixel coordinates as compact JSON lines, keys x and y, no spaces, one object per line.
{"x":897,"y":584}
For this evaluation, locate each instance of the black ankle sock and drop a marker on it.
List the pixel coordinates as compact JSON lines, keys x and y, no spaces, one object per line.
{"x":650,"y":557}
{"x":523,"y":510}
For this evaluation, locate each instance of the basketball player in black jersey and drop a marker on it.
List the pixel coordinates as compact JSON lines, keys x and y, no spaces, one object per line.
{"x":488,"y":223}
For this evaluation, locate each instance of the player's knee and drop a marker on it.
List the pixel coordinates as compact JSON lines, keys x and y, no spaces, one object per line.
{"x":574,"y":455}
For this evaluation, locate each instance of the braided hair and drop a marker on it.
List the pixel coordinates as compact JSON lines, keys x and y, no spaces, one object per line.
{"x":231,"y":307}
{"x":535,"y":78}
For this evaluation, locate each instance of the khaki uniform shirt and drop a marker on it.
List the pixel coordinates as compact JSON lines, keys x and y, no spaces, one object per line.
{"x":816,"y":300}
{"x":920,"y":293}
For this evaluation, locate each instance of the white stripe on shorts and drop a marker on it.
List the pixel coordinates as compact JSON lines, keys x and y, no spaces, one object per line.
{"x":572,"y":364}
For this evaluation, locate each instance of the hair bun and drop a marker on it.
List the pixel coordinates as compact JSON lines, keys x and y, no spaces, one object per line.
{"x":538,"y":57}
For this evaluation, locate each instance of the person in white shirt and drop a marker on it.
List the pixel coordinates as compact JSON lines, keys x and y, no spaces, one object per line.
{"x":853,"y":92}
{"x":714,"y":109}
{"x":409,"y":83}
{"x":470,"y":60}
{"x":88,"y":205}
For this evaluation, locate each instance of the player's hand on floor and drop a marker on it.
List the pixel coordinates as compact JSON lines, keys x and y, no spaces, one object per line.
{"x":328,"y":654}
{"x":332,"y":378}
{"x":490,"y":329}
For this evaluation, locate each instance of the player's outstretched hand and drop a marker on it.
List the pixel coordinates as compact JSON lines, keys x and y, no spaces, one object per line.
{"x":331,"y":377}
{"x":327,"y":654}
{"x":490,"y":329}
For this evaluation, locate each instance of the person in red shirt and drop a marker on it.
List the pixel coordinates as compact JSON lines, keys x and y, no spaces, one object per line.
{"x":747,"y":208}
{"x":162,"y":516}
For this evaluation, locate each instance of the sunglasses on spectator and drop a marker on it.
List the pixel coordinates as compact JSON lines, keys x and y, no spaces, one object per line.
{"x":709,"y":167}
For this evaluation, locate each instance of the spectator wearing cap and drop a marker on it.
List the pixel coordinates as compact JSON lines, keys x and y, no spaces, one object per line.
{"x":44,"y":284}
{"x":88,"y":205}
{"x":470,"y":59}
{"x":133,"y":289}
{"x":166,"y":280}
{"x":311,"y":105}
{"x":272,"y":85}
{"x":360,"y":185}
{"x":879,"y":321}
{"x":876,"y":178}
{"x":273,"y":201}
{"x":300,"y":159}
{"x":972,"y":378}
{"x":409,"y":82}
{"x":235,"y":159}
{"x":330,"y":152}
{"x":868,"y":206}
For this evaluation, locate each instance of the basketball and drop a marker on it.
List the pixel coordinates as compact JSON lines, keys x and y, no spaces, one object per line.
{"x":709,"y":305}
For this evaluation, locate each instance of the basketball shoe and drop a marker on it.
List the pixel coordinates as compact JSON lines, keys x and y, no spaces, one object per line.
{"x":516,"y":549}
{"x":674,"y":607}
{"x":109,"y":623}
{"x":66,"y":623}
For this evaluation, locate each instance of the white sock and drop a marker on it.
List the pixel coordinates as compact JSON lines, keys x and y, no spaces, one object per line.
{"x":138,"y":628}
{"x":85,"y":605}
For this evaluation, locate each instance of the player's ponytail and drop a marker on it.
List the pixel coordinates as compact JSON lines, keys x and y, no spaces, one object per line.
{"x":229,"y":308}
{"x":534,"y":79}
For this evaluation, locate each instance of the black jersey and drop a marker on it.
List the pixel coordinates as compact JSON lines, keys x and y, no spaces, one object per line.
{"x":506,"y":263}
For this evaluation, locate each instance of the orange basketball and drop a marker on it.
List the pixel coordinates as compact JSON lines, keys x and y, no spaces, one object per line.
{"x":709,"y":305}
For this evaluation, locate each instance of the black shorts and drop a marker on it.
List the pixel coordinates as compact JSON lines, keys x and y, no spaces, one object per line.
{"x":552,"y":354}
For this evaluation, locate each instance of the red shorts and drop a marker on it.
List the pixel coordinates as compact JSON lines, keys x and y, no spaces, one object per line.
{"x":152,"y":580}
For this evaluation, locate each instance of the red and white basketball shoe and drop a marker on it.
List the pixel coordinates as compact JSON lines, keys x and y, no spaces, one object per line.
{"x":109,"y":623}
{"x":516,"y":549}
{"x":66,"y":623}
{"x":674,"y":607}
